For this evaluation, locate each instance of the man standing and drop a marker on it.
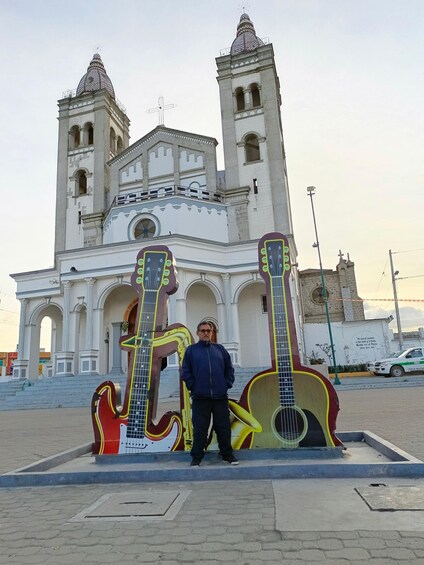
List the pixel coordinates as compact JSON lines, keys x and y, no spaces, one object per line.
{"x":208,"y":373}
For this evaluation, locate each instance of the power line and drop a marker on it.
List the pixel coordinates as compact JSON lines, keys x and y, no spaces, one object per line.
{"x":377,"y":299}
{"x":408,"y":251}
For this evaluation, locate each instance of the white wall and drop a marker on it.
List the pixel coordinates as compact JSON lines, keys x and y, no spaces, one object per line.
{"x":355,"y":342}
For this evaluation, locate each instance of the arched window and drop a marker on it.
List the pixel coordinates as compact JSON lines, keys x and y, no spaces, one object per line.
{"x":240,"y":105}
{"x":81,"y":183}
{"x":74,"y":137}
{"x":119,"y":144}
{"x":112,"y":140}
{"x":251,"y":148}
{"x":256,"y":96}
{"x":88,"y":134}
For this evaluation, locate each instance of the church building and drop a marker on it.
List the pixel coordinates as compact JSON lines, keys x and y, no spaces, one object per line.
{"x":113,"y":198}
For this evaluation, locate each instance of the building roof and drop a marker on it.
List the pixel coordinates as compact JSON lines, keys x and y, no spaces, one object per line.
{"x":246,"y":39}
{"x":96,"y":78}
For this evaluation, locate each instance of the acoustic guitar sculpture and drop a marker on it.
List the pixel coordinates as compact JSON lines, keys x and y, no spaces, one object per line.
{"x":296,"y":406}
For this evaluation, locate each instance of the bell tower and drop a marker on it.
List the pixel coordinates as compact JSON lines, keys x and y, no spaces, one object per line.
{"x":93,"y":128}
{"x":257,"y":191}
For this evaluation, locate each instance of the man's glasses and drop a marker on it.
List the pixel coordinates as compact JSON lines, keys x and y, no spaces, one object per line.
{"x":205,"y":331}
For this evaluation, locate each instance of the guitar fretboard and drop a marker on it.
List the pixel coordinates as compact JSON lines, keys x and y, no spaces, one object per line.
{"x":282,"y":342}
{"x":142,"y":366}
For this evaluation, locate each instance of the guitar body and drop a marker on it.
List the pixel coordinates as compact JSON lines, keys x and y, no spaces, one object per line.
{"x":111,"y":429}
{"x":312,"y":399}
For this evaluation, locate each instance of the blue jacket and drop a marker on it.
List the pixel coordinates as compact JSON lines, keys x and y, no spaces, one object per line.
{"x":207,"y":370}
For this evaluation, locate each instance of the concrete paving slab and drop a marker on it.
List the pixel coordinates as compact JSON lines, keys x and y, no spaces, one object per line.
{"x":135,"y":505}
{"x":383,"y":498}
{"x":334,"y":505}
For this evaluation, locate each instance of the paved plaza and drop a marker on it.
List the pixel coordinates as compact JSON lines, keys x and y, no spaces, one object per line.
{"x":242,"y":522}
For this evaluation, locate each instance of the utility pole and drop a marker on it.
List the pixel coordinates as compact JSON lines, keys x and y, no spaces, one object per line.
{"x":399,"y":327}
{"x":311,"y":192}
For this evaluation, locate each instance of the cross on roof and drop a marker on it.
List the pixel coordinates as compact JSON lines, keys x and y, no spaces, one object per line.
{"x":161,"y":109}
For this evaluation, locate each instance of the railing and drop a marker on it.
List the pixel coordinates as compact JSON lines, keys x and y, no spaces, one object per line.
{"x":166,"y":191}
{"x":227,"y":50}
{"x":72,"y":94}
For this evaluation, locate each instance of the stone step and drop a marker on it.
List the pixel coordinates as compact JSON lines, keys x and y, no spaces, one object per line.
{"x":77,"y":391}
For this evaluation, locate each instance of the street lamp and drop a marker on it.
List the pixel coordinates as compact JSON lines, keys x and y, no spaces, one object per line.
{"x":311,"y":192}
{"x":399,"y":328}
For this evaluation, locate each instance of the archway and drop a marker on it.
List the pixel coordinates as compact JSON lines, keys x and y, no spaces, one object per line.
{"x":201,"y":305}
{"x":40,"y":342}
{"x":253,"y":324}
{"x":112,"y":358}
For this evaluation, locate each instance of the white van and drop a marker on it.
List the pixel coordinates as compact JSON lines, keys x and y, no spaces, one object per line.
{"x":409,"y":361}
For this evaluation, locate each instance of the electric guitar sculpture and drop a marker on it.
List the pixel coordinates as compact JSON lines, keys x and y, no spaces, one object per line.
{"x":296,"y":406}
{"x":131,"y":430}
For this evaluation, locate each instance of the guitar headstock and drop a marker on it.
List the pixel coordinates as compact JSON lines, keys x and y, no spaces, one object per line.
{"x":274,"y":256}
{"x":155,"y":270}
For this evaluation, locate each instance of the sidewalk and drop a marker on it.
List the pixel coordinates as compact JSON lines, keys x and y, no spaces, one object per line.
{"x":246,"y":522}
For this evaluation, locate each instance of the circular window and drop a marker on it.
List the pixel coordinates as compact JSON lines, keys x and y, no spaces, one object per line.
{"x":145,"y":229}
{"x":318,"y":295}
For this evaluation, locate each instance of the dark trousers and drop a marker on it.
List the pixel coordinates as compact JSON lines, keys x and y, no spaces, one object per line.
{"x":202,"y":410}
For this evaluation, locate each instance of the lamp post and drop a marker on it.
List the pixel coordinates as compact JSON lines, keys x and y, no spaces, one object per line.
{"x":394,"y":273}
{"x":311,"y":192}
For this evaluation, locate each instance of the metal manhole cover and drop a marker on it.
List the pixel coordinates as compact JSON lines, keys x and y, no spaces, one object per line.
{"x":128,"y":506}
{"x":382,"y":498}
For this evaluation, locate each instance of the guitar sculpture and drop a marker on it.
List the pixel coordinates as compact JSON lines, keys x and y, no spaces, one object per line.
{"x":296,"y":406}
{"x":131,"y":430}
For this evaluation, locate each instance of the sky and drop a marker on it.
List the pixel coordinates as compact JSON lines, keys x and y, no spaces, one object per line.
{"x":352,"y":89}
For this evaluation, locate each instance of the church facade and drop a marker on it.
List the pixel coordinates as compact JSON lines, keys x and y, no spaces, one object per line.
{"x":113,"y":199}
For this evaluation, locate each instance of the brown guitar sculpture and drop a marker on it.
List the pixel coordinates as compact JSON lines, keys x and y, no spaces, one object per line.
{"x":296,"y":406}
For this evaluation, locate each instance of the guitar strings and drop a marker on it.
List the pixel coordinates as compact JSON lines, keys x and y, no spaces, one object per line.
{"x":288,"y":422}
{"x":136,"y":428}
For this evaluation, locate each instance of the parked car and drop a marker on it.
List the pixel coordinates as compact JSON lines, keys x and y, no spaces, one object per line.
{"x":409,"y":361}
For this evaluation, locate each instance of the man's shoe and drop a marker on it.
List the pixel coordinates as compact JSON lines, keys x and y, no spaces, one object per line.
{"x":231,"y":459}
{"x":195,"y":462}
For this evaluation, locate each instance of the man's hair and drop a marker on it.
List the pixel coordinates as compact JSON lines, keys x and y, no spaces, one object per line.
{"x":200,"y":324}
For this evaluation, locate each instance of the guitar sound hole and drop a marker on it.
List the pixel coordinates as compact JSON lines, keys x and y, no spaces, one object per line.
{"x":289,"y":424}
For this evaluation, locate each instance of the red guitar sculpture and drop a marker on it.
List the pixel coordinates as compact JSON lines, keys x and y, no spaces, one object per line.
{"x":131,"y":430}
{"x":296,"y":406}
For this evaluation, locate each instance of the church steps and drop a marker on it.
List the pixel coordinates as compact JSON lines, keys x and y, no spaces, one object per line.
{"x":70,"y":392}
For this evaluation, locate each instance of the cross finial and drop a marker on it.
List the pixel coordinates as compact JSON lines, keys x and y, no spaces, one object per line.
{"x":98,"y":48}
{"x":161,"y":109}
{"x":341,"y":255}
{"x":244,"y":7}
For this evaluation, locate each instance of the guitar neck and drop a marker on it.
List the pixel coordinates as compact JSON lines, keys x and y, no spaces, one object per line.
{"x":142,"y":365}
{"x":282,"y":351}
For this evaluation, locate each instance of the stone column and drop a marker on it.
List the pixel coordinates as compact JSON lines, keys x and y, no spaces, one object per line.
{"x":180,"y":301}
{"x":231,"y":343}
{"x":116,"y":350}
{"x":66,"y":306}
{"x":247,"y":98}
{"x":22,"y":320}
{"x":65,"y":358}
{"x":172,"y":306}
{"x":89,"y":357}
{"x":89,"y":329}
{"x":20,"y":366}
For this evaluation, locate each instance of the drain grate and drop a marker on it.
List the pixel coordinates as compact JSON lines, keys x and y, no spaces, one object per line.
{"x":128,"y":506}
{"x":382,"y":498}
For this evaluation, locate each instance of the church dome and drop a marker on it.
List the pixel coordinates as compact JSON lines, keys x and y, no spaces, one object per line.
{"x":246,"y":39}
{"x":95,"y":78}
